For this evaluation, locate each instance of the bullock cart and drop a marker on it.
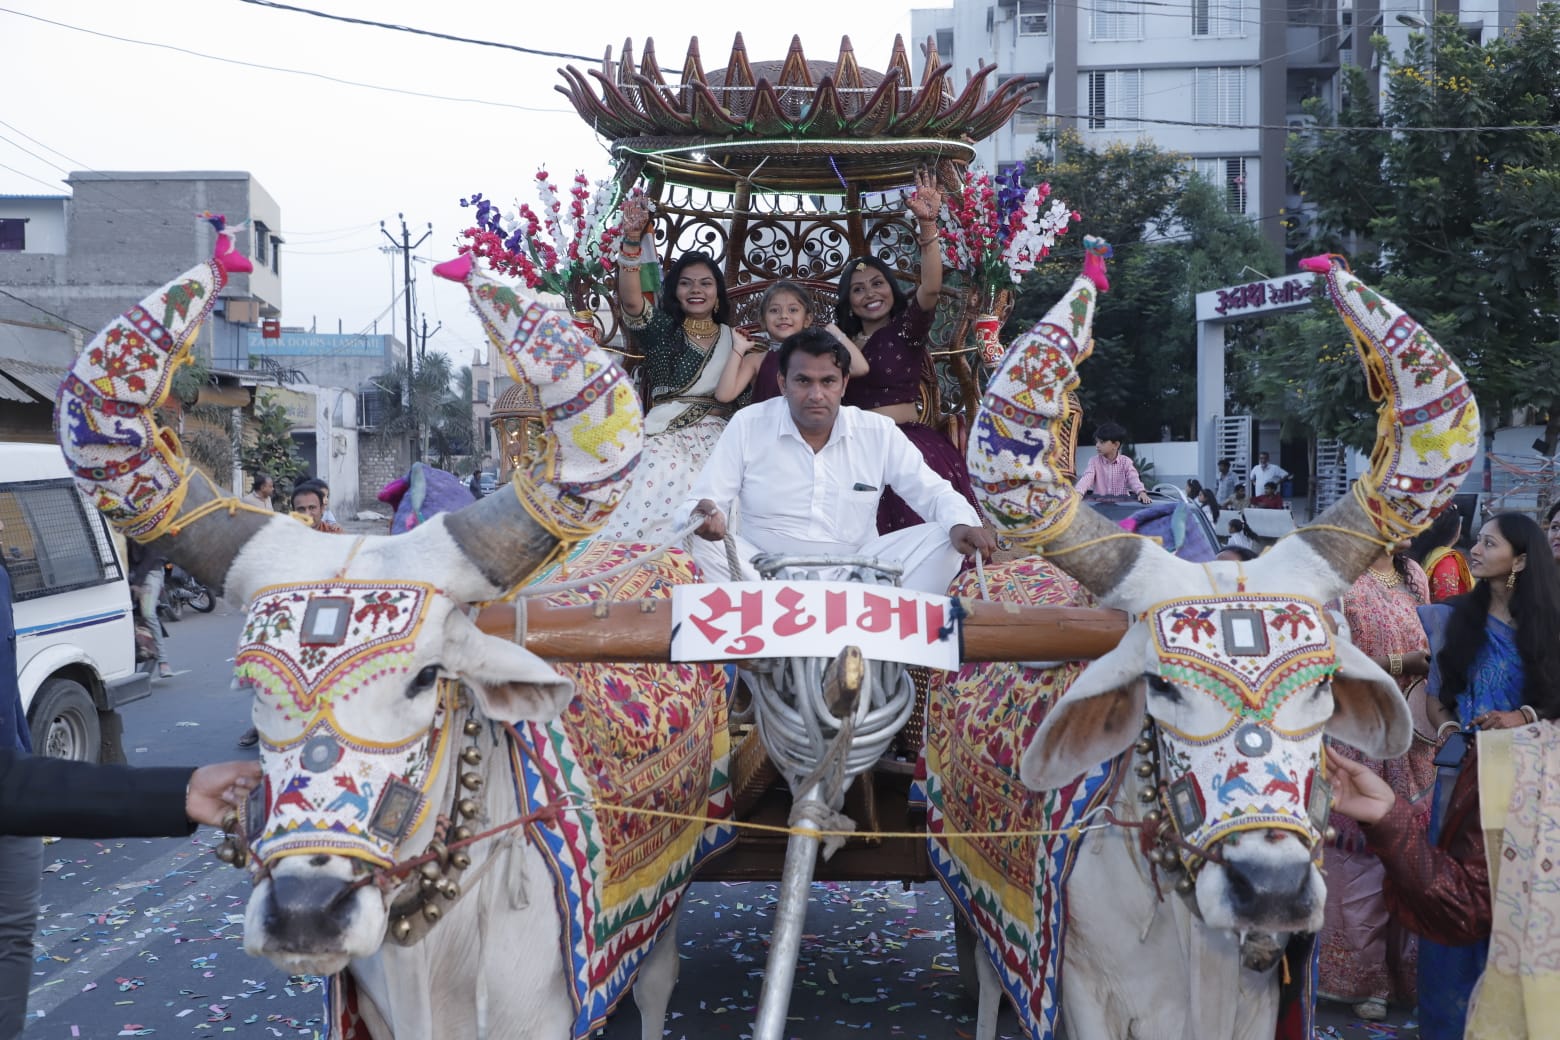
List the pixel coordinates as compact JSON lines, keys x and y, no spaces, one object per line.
{"x":390,"y":721}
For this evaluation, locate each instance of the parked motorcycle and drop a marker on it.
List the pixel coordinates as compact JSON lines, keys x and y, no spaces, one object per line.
{"x":180,"y":590}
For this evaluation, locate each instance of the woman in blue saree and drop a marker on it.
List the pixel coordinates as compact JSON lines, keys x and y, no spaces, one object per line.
{"x":1491,"y":652}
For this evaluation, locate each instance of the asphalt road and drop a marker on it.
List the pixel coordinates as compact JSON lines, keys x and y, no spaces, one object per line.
{"x":144,"y":937}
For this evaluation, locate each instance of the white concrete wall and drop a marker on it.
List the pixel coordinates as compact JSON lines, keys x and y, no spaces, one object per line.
{"x":45,"y":218}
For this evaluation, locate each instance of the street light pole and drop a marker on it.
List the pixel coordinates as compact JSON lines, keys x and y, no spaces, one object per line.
{"x":405,"y":247}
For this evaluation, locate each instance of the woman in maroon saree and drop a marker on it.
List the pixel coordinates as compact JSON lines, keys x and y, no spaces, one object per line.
{"x":892,"y":329}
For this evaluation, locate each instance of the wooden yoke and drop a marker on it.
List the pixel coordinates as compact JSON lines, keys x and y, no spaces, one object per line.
{"x":641,"y":630}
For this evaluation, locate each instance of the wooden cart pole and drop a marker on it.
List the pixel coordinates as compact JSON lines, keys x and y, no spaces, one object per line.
{"x":641,"y":630}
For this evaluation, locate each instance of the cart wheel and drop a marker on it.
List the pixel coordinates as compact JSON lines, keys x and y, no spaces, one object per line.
{"x":966,"y":947}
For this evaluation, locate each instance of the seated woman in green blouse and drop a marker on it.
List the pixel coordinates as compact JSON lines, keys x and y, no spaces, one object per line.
{"x":686,"y":341}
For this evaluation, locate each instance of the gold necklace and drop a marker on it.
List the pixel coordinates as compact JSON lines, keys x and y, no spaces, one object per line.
{"x":700,"y":328}
{"x":1386,"y":581}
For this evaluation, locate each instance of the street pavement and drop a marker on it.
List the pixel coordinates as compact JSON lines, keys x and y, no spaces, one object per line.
{"x":144,"y":937}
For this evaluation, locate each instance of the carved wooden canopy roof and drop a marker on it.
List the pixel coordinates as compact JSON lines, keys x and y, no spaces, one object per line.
{"x":796,"y":125}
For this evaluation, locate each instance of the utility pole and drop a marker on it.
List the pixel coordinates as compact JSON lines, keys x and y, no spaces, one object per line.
{"x":405,"y":247}
{"x":422,"y":348}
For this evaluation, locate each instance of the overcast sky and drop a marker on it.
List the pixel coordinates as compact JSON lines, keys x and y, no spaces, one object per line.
{"x":340,"y":158}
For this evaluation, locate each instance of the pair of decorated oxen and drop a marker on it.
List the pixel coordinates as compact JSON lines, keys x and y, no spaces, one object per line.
{"x":475,"y":842}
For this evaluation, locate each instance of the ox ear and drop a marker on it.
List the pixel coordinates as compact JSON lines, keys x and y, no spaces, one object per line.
{"x":1096,"y":719}
{"x":511,"y":683}
{"x":1369,"y":711}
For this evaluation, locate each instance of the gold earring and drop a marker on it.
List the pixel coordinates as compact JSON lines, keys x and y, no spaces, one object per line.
{"x":1511,"y":581}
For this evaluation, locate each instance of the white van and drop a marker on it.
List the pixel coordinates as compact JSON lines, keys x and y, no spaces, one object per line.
{"x":75,"y":633}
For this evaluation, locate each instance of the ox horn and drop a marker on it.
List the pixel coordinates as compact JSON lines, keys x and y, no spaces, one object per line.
{"x":1021,"y":448}
{"x":1427,"y":432}
{"x":133,"y":469}
{"x":593,"y":438}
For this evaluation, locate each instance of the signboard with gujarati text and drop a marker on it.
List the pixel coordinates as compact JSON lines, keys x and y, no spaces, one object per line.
{"x":1242,"y":301}
{"x":749,"y":619}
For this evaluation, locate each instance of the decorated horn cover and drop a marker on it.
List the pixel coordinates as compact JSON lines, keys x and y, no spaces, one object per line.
{"x":341,"y":777}
{"x":1022,"y":447}
{"x":120,"y":456}
{"x":1428,"y":436}
{"x":1253,"y":654}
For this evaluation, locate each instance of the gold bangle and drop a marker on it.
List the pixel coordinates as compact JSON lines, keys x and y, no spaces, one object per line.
{"x":1530,"y":713}
{"x":1395,"y":664}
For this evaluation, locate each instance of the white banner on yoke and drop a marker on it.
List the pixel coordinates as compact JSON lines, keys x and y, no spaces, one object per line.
{"x":747,"y":619}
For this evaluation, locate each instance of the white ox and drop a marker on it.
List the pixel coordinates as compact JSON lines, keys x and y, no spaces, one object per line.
{"x":1209,"y":714}
{"x":382,"y":707}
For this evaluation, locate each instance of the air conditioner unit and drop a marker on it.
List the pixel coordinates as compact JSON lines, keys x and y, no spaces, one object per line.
{"x":1300,"y":121}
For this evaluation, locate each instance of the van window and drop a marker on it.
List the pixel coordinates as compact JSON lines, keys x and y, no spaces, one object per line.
{"x":50,"y":542}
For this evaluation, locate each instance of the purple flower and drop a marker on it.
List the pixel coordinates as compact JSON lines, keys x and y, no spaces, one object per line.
{"x":1010,"y":192}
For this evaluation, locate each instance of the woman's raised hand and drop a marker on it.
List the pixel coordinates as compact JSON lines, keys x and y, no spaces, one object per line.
{"x":634,"y":216}
{"x":926,"y":201}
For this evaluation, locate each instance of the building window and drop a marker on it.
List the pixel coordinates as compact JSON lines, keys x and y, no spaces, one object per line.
{"x":1115,"y":99}
{"x":1116,"y":20}
{"x":1229,"y":174}
{"x":262,"y":237}
{"x":1034,"y":17}
{"x":945,"y":43}
{"x":13,"y":234}
{"x":1219,"y":95}
{"x":276,"y":256}
{"x":1216,"y":17}
{"x":482,"y":391}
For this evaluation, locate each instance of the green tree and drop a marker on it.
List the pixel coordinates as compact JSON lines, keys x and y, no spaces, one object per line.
{"x":1173,"y":237}
{"x":273,"y":450}
{"x":1449,"y":200}
{"x":441,"y":407}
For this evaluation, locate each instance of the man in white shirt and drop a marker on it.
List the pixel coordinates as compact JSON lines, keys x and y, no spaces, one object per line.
{"x":808,"y":474}
{"x":1264,"y":472}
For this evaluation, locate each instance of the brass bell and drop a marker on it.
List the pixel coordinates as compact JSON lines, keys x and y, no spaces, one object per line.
{"x":460,"y":860}
{"x":437,"y":850}
{"x":1187,"y":885}
{"x":401,"y":930}
{"x":431,"y":913}
{"x":472,"y":727}
{"x":471,"y":756}
{"x":1153,"y":816}
{"x":242,"y":859}
{"x":470,"y":781}
{"x":463,"y":833}
{"x":230,"y":821}
{"x":1165,"y":857}
{"x":1148,"y":795}
{"x":1144,"y":746}
{"x":227,"y":852}
{"x":430,"y":871}
{"x":1145,"y":769}
{"x":427,"y":885}
{"x":449,"y":890}
{"x":1330,"y":834}
{"x":467,"y":807}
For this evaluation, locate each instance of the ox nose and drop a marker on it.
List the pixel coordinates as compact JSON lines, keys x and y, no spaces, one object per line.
{"x":1268,"y":888}
{"x":304,"y":914}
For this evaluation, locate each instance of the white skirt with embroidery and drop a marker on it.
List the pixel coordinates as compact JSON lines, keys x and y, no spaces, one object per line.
{"x":667,"y":468}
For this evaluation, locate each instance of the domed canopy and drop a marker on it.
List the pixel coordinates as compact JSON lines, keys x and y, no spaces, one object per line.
{"x":518,"y":399}
{"x":795,"y":125}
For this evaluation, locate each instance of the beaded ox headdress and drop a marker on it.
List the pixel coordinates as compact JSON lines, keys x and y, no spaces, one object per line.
{"x":342,"y":776}
{"x":1253,"y":654}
